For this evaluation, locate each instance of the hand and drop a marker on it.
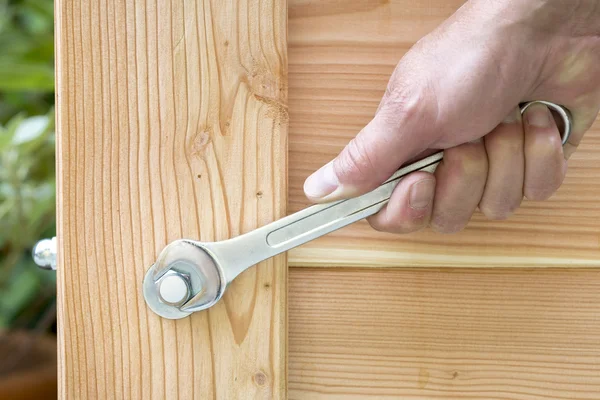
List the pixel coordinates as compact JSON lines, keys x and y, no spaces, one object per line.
{"x":459,"y":89}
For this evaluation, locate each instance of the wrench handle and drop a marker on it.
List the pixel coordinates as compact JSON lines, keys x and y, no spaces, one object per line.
{"x":242,"y":252}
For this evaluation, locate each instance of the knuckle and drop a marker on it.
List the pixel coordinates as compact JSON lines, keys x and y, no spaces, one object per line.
{"x":398,"y":225}
{"x":499,"y":210}
{"x":410,"y":103}
{"x":417,"y":221}
{"x":355,"y":162}
{"x":553,"y":140}
{"x":508,"y":149}
{"x":539,"y":193}
{"x":397,"y":220}
{"x":466,"y":160}
{"x":545,"y":144}
{"x":509,"y":143}
{"x":376,"y":225}
{"x":544,"y":187}
{"x":444,"y":224}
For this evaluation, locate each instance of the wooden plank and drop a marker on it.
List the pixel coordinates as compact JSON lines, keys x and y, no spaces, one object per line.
{"x":172,"y":122}
{"x":444,"y":334}
{"x":341,"y":56}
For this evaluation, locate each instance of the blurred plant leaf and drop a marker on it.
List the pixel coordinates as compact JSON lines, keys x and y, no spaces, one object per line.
{"x":31,"y":129}
{"x":26,"y":57}
{"x":5,"y":138}
{"x":26,"y":77}
{"x":27,"y":205}
{"x":27,"y":153}
{"x":22,"y":287}
{"x":5,"y":15}
{"x":46,"y":8}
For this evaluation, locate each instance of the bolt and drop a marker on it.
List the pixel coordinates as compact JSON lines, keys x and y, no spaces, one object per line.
{"x":44,"y":253}
{"x":173,"y":288}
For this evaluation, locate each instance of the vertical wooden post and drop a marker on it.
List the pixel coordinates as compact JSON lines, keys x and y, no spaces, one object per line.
{"x":172,"y":123}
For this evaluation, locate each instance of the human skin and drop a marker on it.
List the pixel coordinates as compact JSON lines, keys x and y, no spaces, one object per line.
{"x":459,"y":89}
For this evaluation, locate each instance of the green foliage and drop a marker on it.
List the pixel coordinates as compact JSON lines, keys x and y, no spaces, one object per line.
{"x":27,"y":157}
{"x":27,"y":210}
{"x":26,"y":57}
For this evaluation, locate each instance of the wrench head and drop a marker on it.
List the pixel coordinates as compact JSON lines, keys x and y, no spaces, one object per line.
{"x":203,"y":275}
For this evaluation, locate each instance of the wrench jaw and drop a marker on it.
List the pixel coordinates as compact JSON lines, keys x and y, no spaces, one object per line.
{"x":203,"y":280}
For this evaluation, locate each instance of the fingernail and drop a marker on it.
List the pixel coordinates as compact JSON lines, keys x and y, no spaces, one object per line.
{"x":321,"y":183}
{"x":421,"y":193}
{"x":538,"y":115}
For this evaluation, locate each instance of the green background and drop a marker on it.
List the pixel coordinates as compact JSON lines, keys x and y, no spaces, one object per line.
{"x":27,"y":162}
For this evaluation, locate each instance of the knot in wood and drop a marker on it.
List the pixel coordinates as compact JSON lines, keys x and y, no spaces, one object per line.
{"x":260,"y":378}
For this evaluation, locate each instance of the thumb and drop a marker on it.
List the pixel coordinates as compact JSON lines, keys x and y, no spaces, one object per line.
{"x":402,"y":128}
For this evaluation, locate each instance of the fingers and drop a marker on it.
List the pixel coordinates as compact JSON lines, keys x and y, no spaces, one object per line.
{"x":545,"y":165}
{"x":446,"y":200}
{"x":521,"y":156}
{"x":461,"y":178}
{"x":401,"y":128}
{"x":409,"y":208}
{"x":504,"y":187}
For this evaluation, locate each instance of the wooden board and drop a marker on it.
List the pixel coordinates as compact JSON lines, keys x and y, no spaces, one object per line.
{"x":172,"y":122}
{"x":489,"y":334}
{"x":341,"y":54}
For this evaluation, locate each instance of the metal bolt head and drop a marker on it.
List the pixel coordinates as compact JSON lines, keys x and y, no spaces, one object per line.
{"x":173,"y":288}
{"x":44,"y":253}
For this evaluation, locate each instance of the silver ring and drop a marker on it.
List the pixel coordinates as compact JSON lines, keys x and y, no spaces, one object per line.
{"x":564,"y":113}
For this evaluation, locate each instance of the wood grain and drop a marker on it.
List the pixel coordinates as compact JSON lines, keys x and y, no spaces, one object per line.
{"x":526,"y":334}
{"x":341,"y":55}
{"x":172,"y":122}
